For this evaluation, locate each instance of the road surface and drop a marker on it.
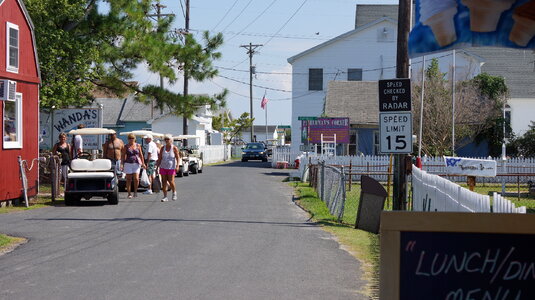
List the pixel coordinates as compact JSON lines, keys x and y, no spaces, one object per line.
{"x":234,"y":233}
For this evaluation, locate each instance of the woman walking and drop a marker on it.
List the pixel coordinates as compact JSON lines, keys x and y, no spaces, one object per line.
{"x":132,"y":161}
{"x":168,"y":162}
{"x":63,"y":149}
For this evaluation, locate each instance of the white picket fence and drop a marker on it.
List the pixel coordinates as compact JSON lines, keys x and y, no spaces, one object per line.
{"x":524,"y":167}
{"x":434,"y":193}
{"x":215,"y":153}
{"x":502,"y":205}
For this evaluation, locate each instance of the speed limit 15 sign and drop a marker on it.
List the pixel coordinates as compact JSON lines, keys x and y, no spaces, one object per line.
{"x":395,"y":132}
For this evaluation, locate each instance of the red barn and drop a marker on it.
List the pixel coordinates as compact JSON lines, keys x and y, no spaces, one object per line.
{"x":19,"y":99}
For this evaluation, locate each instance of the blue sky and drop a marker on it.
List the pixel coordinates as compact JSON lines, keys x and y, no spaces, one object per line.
{"x":284,"y":27}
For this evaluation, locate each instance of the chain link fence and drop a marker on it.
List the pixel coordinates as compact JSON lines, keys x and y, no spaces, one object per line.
{"x":329,"y":183}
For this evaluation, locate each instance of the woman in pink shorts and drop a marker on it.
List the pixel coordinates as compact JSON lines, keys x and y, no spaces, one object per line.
{"x":168,"y":162}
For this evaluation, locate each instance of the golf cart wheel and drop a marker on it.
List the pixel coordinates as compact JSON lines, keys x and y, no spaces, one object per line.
{"x":180,"y":173}
{"x":194,"y":170}
{"x":71,"y":200}
{"x":113,"y":198}
{"x":200,"y":170}
{"x":186,"y":173}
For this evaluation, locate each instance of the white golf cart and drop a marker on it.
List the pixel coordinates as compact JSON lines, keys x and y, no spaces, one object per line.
{"x":91,"y":178}
{"x":191,"y":157}
{"x":138,"y":134}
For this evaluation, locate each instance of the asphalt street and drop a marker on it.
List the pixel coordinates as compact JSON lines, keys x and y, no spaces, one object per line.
{"x":234,"y":233}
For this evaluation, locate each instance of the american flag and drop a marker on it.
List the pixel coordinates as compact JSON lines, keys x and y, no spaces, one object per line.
{"x":264,"y":102}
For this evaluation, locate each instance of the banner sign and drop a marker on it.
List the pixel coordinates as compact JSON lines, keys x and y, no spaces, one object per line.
{"x":450,"y":24}
{"x":470,"y":167}
{"x":64,"y":120}
{"x":328,"y":127}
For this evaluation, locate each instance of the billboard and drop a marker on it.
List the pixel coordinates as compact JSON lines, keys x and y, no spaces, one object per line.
{"x":450,"y":24}
{"x":328,"y":127}
{"x":64,"y":120}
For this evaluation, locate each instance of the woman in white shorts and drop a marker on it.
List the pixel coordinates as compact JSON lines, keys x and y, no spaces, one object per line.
{"x":132,"y":161}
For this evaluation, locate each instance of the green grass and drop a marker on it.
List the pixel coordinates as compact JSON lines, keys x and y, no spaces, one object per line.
{"x":4,"y":240}
{"x":528,"y":202}
{"x":362,"y":245}
{"x":43,"y":199}
{"x":9,"y":242}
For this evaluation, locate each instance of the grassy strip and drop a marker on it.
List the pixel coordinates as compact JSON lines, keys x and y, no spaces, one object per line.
{"x":362,"y":245}
{"x":8,"y":243}
{"x":42,"y":200}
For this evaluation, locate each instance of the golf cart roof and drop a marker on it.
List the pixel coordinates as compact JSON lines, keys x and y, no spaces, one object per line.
{"x":186,"y":136}
{"x":90,"y":131}
{"x":142,"y":133}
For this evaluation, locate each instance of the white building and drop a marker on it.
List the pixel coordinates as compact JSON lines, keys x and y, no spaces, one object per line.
{"x":200,"y":125}
{"x":366,"y":53}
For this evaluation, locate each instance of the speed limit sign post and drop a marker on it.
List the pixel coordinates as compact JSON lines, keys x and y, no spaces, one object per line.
{"x":395,"y":116}
{"x":395,"y":132}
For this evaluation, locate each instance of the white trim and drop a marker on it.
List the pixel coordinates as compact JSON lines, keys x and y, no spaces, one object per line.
{"x":9,"y":68}
{"x":18,"y":143}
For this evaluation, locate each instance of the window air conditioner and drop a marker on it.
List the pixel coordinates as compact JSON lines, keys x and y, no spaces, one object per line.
{"x":8,"y":89}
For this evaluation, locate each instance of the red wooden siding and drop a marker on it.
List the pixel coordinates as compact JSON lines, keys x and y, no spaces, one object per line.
{"x":27,"y":84}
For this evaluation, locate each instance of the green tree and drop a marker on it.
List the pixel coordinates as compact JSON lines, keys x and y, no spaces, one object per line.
{"x":495,"y":89}
{"x":525,"y":145}
{"x":473,"y":110}
{"x":236,"y":125}
{"x":81,"y":46}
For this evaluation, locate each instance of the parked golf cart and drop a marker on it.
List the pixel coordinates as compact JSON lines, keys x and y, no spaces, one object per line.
{"x":121,"y":175}
{"x":91,"y":178}
{"x":191,"y":158}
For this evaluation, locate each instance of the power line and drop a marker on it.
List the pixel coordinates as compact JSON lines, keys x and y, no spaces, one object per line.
{"x":239,"y":14}
{"x":259,"y":86}
{"x":287,"y":21}
{"x":253,"y":21}
{"x":225,"y":15}
{"x":277,"y":99}
{"x":325,"y":73}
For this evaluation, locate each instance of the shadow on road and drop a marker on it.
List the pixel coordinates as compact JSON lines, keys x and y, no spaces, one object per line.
{"x":280,"y":174}
{"x":289,"y":224}
{"x":249,"y":164}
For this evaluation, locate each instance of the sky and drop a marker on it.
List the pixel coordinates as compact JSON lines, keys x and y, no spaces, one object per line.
{"x":284,"y":28}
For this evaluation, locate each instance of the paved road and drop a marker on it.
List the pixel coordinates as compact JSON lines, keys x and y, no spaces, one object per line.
{"x":234,"y":233}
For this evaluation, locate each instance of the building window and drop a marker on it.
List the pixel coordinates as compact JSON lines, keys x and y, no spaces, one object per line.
{"x":315,"y":79}
{"x":353,"y":141}
{"x":376,"y":148}
{"x":354,"y":74}
{"x":508,"y":128}
{"x":12,"y":50}
{"x":12,"y":123}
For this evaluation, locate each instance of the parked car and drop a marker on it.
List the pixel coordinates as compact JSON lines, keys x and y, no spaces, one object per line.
{"x":254,"y":151}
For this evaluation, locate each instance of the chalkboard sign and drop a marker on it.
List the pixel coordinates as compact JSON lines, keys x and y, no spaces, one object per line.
{"x":457,"y":256}
{"x":445,"y":265}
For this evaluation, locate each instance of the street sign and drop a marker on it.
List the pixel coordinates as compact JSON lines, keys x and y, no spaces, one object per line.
{"x":225,"y":129}
{"x":284,"y":126}
{"x":306,"y":148}
{"x":395,"y":132}
{"x":307,"y":118}
{"x":394,"y":95}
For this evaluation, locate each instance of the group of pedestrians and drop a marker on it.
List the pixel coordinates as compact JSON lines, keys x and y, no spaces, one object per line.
{"x":130,"y":159}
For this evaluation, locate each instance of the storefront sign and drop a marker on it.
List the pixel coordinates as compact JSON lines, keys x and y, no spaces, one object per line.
{"x":470,"y":167}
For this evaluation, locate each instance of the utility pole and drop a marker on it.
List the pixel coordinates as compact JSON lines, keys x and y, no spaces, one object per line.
{"x":251,"y":50}
{"x":158,"y":15}
{"x":402,"y":71}
{"x":186,"y":75}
